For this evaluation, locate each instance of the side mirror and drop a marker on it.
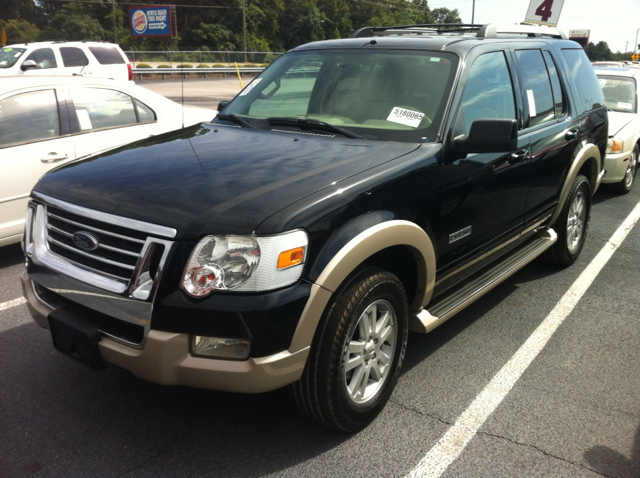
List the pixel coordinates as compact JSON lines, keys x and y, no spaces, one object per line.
{"x":28,"y":65}
{"x":489,"y":135}
{"x":222,"y":105}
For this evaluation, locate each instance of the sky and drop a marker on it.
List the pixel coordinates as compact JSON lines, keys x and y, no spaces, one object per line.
{"x":613,"y":21}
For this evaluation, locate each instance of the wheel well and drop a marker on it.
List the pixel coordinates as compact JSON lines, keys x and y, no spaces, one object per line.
{"x":399,"y":261}
{"x":588,"y":169}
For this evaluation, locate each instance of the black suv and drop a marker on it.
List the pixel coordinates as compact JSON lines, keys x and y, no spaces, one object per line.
{"x":356,"y":189}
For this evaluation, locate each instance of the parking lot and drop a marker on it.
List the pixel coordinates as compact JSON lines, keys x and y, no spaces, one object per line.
{"x":573,"y":412}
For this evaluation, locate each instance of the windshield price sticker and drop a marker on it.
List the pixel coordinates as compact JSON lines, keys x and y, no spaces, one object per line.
{"x":406,"y":117}
{"x":250,"y":87}
{"x":625,"y":105}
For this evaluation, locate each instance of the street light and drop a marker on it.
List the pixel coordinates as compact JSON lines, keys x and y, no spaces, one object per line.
{"x":635,"y":45}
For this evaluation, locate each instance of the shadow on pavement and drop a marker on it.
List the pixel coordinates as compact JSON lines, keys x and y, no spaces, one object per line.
{"x":611,"y":463}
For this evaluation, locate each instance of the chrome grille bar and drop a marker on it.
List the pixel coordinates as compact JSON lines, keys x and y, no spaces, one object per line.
{"x":90,"y":256}
{"x":95,"y":229}
{"x":103,"y":246}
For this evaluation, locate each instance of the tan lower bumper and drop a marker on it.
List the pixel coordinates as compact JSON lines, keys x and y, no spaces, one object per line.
{"x":166,"y":360}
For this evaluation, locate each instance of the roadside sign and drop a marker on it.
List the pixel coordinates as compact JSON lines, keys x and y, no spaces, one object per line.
{"x":635,"y":57}
{"x":544,"y":12}
{"x":150,"y":21}
{"x":580,"y":36}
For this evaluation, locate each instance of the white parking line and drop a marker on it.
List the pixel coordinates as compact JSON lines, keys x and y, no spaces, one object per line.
{"x":451,"y":445}
{"x":12,"y":303}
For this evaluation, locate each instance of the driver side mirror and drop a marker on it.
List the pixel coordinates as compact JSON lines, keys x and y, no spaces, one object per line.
{"x":222,"y":105}
{"x":28,"y":65}
{"x":489,"y":135}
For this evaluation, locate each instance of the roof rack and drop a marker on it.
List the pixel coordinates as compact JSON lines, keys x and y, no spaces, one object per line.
{"x":489,"y":30}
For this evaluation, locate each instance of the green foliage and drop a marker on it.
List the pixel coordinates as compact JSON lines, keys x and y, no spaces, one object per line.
{"x":599,"y":52}
{"x":184,"y":65}
{"x":203,"y":65}
{"x":163,"y":66}
{"x":271,"y":25}
{"x":20,"y":31}
{"x":143,"y":65}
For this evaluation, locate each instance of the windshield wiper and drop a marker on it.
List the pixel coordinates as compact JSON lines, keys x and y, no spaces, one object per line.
{"x":313,"y":124}
{"x":237,"y":119}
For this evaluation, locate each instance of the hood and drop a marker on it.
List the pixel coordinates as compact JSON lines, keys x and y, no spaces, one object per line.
{"x":618,"y":120}
{"x":214,"y":179}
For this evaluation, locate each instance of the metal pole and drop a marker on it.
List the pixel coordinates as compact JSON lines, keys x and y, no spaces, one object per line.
{"x":473,"y":12}
{"x":115,"y":28}
{"x":635,"y":45}
{"x":244,"y":29}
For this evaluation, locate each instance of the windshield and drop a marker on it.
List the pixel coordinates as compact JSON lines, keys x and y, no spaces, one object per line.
{"x":619,"y":93}
{"x":379,"y":95}
{"x":9,"y":56}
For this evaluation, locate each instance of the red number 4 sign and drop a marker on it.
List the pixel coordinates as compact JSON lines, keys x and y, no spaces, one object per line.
{"x":546,"y":12}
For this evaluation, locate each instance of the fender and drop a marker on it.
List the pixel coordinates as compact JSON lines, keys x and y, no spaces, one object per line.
{"x":355,"y":252}
{"x":589,"y":152}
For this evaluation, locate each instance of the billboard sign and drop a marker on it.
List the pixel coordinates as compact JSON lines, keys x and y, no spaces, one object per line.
{"x":544,"y":12}
{"x":150,"y":21}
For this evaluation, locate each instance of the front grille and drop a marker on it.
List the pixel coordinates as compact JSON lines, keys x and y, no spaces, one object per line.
{"x":118,"y":250}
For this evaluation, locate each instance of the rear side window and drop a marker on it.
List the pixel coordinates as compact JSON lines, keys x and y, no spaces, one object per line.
{"x":536,"y":86}
{"x":28,"y":117}
{"x":98,"y":108}
{"x":72,"y":56}
{"x":107,"y":55}
{"x":582,"y":74}
{"x":558,"y":97}
{"x":145,"y":113}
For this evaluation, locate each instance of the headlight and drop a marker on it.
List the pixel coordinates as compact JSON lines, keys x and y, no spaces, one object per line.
{"x":615,"y":145}
{"x":245,"y":263}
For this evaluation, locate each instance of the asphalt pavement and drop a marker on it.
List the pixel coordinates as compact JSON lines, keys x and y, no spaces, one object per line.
{"x":574,"y":412}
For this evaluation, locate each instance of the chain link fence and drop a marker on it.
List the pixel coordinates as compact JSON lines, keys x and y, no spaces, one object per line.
{"x":200,"y":58}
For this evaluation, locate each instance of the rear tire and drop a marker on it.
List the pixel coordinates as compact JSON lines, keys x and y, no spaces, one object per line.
{"x":357,"y":353}
{"x":624,"y":186}
{"x":572,"y":224}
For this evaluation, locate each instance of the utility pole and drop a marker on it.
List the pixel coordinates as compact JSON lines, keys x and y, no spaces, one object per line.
{"x":115,"y":29}
{"x":473,"y":12}
{"x":635,"y":45}
{"x":244,"y":28}
{"x":626,"y":44}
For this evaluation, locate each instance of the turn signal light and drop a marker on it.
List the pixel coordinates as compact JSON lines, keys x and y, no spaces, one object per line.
{"x":290,"y":258}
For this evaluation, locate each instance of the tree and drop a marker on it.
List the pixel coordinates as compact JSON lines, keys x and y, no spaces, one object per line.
{"x":599,"y":52}
{"x":20,"y":31}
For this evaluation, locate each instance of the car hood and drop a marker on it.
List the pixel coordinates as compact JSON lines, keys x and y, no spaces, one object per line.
{"x":211,"y":179}
{"x":618,"y":120}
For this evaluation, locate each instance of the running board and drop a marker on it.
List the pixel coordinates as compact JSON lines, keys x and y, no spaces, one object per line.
{"x":446,"y":307}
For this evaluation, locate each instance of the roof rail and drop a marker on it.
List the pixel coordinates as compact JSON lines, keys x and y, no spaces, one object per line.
{"x":489,"y":30}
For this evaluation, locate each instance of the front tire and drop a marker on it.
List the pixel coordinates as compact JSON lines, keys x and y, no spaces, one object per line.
{"x":624,"y":186}
{"x":572,"y":224}
{"x":357,"y":353}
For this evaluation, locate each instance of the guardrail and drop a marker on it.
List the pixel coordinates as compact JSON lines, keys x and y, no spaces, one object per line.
{"x":190,"y":71}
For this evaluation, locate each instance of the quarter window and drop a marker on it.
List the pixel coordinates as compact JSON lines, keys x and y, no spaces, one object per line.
{"x":488,"y":92}
{"x":28,"y":117}
{"x":536,"y":87}
{"x":73,"y":57}
{"x":558,"y":98}
{"x":584,"y":78}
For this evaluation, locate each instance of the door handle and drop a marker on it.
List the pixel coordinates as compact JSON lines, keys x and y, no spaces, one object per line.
{"x":519,"y":156}
{"x":571,"y":134}
{"x":54,"y":157}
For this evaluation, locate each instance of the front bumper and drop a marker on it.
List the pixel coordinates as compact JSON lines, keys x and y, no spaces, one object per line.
{"x":166,"y":359}
{"x":616,"y":166}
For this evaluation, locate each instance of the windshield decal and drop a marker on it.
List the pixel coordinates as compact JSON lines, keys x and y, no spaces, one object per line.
{"x":625,"y":105}
{"x":250,"y":87}
{"x":405,"y":116}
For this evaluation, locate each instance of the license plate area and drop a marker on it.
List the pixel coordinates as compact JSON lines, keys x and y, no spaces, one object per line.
{"x":76,"y":338}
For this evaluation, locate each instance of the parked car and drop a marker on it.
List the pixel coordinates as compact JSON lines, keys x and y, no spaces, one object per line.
{"x":86,"y":58}
{"x":355,"y":189}
{"x":620,"y":88}
{"x":48,"y":121}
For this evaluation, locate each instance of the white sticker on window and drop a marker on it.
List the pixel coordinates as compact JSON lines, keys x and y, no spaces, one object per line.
{"x":250,"y":87}
{"x":434,"y":58}
{"x":627,"y":106}
{"x":404,"y":116}
{"x":83,"y":119}
{"x":3,"y":62}
{"x":532,"y":103}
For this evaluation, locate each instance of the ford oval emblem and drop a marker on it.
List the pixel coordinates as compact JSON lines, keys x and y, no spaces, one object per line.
{"x":85,"y":240}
